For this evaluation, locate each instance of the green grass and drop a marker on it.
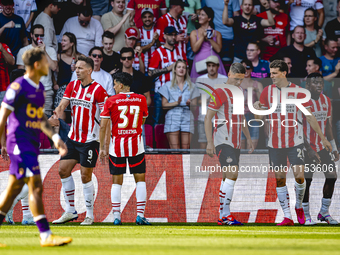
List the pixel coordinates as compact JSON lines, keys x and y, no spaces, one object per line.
{"x":176,"y":239}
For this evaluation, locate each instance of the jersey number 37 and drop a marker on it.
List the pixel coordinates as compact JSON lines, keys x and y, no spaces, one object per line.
{"x":128,"y":109}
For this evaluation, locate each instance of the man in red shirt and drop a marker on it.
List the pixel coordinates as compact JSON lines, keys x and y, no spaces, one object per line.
{"x":131,"y":37}
{"x":127,"y":112}
{"x":6,"y":58}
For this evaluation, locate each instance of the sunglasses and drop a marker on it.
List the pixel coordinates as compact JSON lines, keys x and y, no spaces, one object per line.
{"x":37,"y":35}
{"x":126,"y":58}
{"x":84,"y":22}
{"x":97,"y":55}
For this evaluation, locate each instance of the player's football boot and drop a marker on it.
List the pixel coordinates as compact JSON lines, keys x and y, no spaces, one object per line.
{"x":28,"y":221}
{"x":87,"y":221}
{"x":117,"y":222}
{"x":286,"y":222}
{"x":53,"y":240}
{"x":142,"y":221}
{"x":9,"y":218}
{"x":231,"y":221}
{"x":222,"y":221}
{"x":66,"y":217}
{"x":300,"y":215}
{"x":327,"y":218}
{"x":310,"y":222}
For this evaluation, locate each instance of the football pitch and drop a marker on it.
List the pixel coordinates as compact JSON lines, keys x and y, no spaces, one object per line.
{"x":176,"y":239}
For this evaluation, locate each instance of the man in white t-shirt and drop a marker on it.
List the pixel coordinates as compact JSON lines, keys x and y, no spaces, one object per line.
{"x":98,"y":74}
{"x":25,"y":9}
{"x":205,"y":85}
{"x":88,"y":30}
{"x":38,"y":31}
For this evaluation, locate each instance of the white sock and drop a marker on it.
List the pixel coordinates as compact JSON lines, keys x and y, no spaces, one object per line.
{"x":299,"y":193}
{"x":68,"y":188}
{"x":282,"y":194}
{"x":141,"y":198}
{"x":88,"y":190}
{"x":305,"y":207}
{"x":228,"y":189}
{"x":325,"y":204}
{"x":45,"y":235}
{"x":23,"y":193}
{"x":116,"y":200}
{"x":222,"y":197}
{"x":26,"y":212}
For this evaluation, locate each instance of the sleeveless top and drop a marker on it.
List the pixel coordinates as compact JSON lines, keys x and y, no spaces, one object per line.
{"x":65,"y":73}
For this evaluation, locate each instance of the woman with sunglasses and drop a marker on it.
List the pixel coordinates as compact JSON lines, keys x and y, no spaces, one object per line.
{"x":313,"y":31}
{"x":179,"y":96}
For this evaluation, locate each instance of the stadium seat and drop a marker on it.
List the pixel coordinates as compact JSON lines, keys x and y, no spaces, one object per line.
{"x":160,"y":138}
{"x":44,"y":142}
{"x":148,"y":135}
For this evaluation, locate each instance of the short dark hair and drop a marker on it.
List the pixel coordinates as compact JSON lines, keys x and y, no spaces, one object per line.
{"x":328,"y":39}
{"x":313,"y":75}
{"x":126,"y":50}
{"x":248,"y":63}
{"x":316,"y":61}
{"x":87,"y":60}
{"x":124,"y":78}
{"x":277,"y":63}
{"x":86,"y":11}
{"x":7,"y":2}
{"x":35,"y":27}
{"x":32,"y":55}
{"x":237,"y":68}
{"x":95,"y":48}
{"x":108,"y":34}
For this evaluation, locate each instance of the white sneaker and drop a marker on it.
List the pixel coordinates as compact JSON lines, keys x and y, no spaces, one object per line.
{"x":9,"y":217}
{"x":87,"y":221}
{"x":66,"y":217}
{"x":309,"y":222}
{"x":327,"y":218}
{"x":28,"y":221}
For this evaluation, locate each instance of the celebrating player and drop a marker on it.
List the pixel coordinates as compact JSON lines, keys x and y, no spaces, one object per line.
{"x":128,"y":112}
{"x":287,"y":141}
{"x":227,"y":139}
{"x":317,"y":157}
{"x":24,"y":106}
{"x":87,"y":99}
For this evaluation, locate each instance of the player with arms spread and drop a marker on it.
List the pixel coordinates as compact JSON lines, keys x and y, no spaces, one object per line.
{"x":23,"y":105}
{"x":227,"y":139}
{"x":127,"y":112}
{"x":287,"y":141}
{"x":87,"y":99}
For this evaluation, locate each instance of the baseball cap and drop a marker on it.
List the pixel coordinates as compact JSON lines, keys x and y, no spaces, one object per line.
{"x":131,"y":32}
{"x":170,"y":30}
{"x":7,"y":2}
{"x":182,"y":3}
{"x":147,"y":10}
{"x":212,"y":59}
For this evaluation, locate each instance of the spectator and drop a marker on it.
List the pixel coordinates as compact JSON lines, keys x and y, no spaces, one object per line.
{"x":99,"y":8}
{"x":131,"y":36}
{"x":247,"y":83}
{"x":297,"y":9}
{"x":37,"y":31}
{"x":175,"y":19}
{"x":117,"y":23}
{"x":313,"y":31}
{"x":331,"y":13}
{"x":330,"y":63}
{"x":275,"y":37}
{"x":98,"y":74}
{"x":247,"y":27}
{"x":212,"y":78}
{"x":6,"y":58}
{"x":205,"y":41}
{"x":149,"y":35}
{"x":336,"y":112}
{"x":332,"y":29}
{"x":52,"y":7}
{"x":288,"y":61}
{"x":179,"y":95}
{"x":68,"y":54}
{"x":12,"y":28}
{"x":135,"y":7}
{"x":260,"y":67}
{"x":161,"y":63}
{"x":297,"y":52}
{"x":87,"y":30}
{"x":227,"y":32}
{"x":25,"y":9}
{"x":111,"y":63}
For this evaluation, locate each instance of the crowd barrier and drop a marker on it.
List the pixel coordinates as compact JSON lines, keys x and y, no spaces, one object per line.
{"x":174,"y":194}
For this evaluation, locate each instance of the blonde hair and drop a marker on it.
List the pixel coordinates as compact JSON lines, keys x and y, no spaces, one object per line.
{"x":174,"y":75}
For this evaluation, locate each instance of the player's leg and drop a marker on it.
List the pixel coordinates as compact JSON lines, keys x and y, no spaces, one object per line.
{"x":22,"y":195}
{"x":185,"y":140}
{"x":27,"y":218}
{"x":308,"y":179}
{"x":174,"y":139}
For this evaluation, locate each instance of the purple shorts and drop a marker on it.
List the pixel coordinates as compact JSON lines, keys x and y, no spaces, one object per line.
{"x":24,"y":165}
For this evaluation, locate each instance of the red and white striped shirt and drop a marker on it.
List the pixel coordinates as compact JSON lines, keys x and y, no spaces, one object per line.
{"x":146,"y":37}
{"x":228,"y":126}
{"x":180,"y":25}
{"x":135,"y":63}
{"x":86,"y":104}
{"x":285,"y":131}
{"x":126,"y":111}
{"x":322,"y":110}
{"x":162,"y":58}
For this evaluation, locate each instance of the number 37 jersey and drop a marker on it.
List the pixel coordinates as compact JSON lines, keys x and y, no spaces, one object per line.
{"x":126,"y":111}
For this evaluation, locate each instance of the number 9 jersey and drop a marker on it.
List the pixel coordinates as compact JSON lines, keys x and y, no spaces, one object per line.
{"x":127,"y":112}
